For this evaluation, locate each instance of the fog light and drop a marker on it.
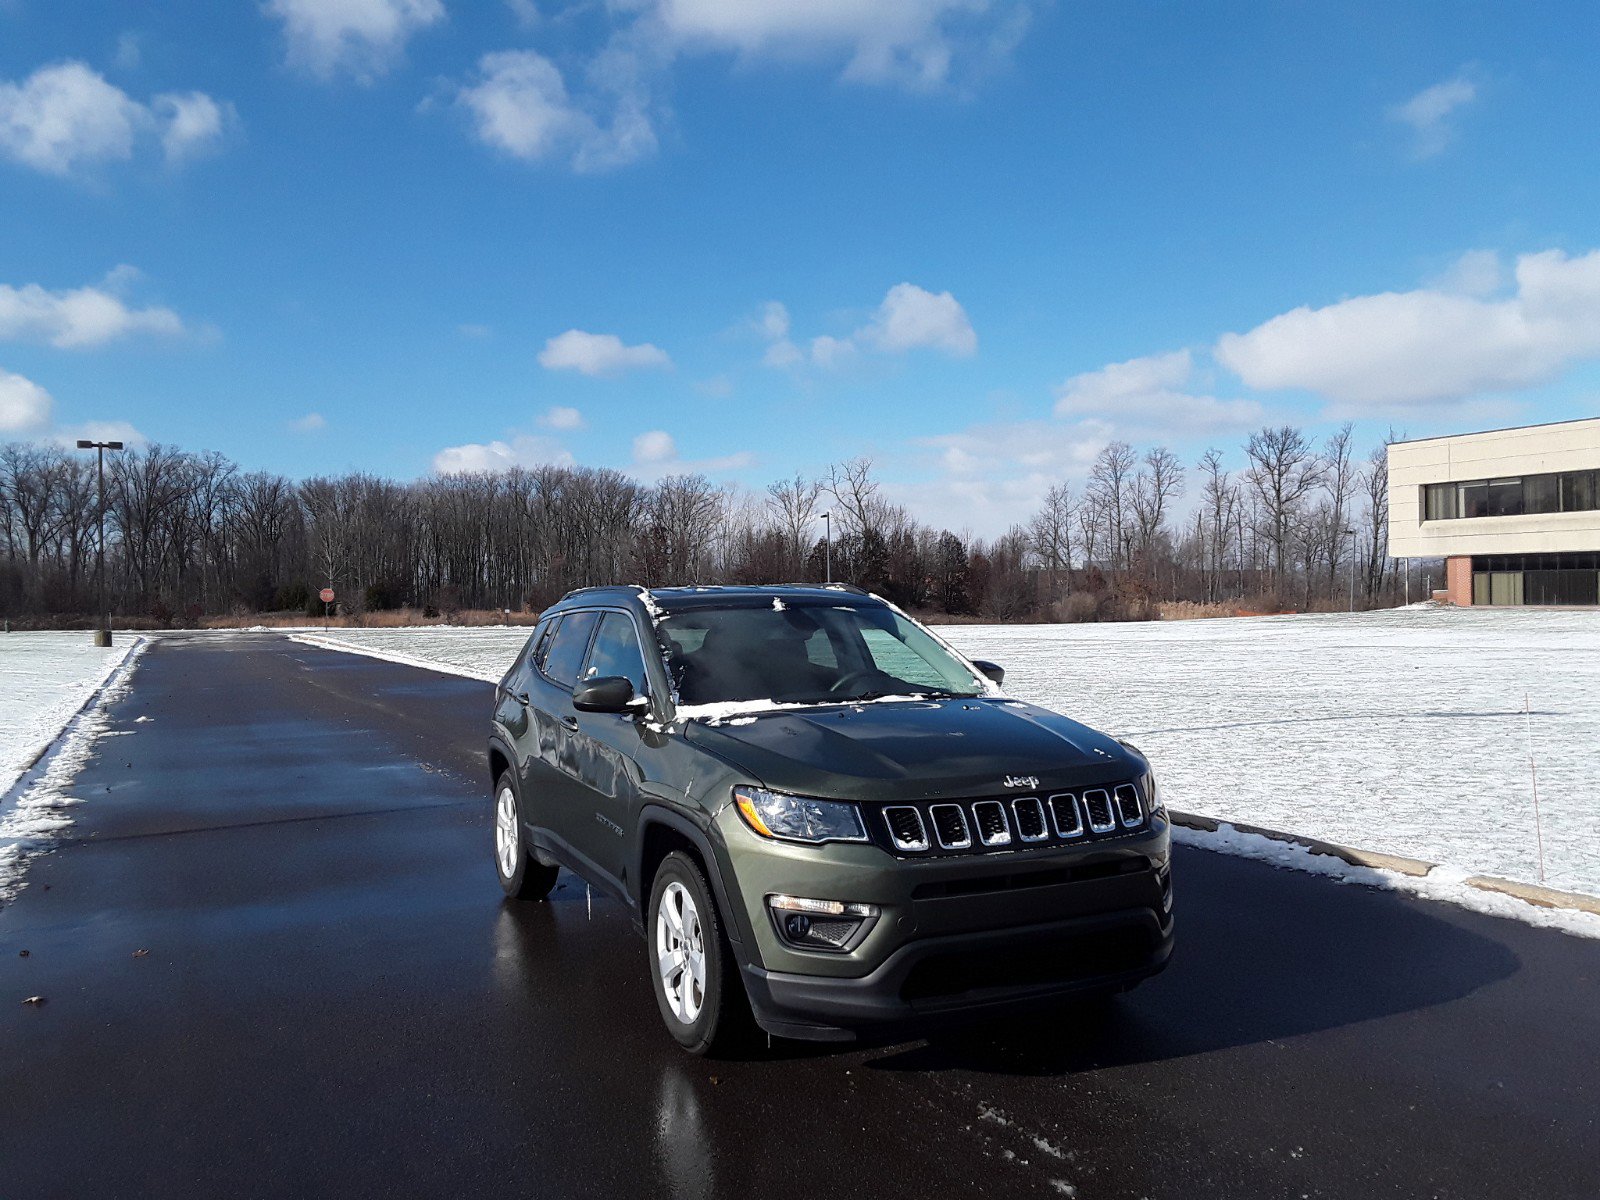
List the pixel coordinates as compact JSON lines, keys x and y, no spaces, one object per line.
{"x":821,"y":924}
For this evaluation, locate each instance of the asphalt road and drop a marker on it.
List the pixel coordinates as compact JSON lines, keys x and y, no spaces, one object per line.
{"x":335,"y":1000}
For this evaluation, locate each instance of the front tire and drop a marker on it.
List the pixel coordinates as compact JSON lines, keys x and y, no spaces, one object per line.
{"x":521,"y":877}
{"x":696,"y":981}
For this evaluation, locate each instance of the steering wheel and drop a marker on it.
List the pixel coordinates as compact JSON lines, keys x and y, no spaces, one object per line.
{"x":846,"y":682}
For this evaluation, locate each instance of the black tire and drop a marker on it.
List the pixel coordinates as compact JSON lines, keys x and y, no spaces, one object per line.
{"x":723,"y":1023}
{"x":527,"y":879}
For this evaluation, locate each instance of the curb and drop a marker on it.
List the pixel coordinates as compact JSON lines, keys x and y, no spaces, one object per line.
{"x":1531,"y":893}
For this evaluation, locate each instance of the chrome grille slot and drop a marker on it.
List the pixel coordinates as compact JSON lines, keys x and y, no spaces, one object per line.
{"x":1031,"y":826}
{"x":906,"y":830}
{"x":1097,"y":803}
{"x":993,"y":828}
{"x":1069,"y":821}
{"x":950,"y":826}
{"x":1128,"y":806}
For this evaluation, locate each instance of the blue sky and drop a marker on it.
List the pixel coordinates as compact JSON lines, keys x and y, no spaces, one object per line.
{"x":974,"y":240}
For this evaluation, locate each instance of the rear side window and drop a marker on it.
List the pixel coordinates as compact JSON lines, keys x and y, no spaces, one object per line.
{"x":616,"y":652}
{"x":539,"y":643}
{"x":567,"y":647}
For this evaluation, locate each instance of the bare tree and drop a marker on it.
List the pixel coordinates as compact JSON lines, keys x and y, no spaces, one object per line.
{"x":794,"y":507}
{"x":1110,"y":485}
{"x":1284,"y":470}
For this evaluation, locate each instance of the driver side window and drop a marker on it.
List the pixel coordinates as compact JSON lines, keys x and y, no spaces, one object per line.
{"x":893,"y":657}
{"x":616,"y":652}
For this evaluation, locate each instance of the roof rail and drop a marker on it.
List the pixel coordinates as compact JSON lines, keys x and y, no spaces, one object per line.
{"x":604,"y":587}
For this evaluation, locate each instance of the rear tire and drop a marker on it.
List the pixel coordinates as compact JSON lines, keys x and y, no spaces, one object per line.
{"x":521,"y":876}
{"x":692,"y":969}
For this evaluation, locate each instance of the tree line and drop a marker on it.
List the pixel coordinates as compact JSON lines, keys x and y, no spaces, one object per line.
{"x":191,"y":534}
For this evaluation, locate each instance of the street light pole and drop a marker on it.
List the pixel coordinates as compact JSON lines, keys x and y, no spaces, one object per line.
{"x":827,"y":547}
{"x":102,"y":636}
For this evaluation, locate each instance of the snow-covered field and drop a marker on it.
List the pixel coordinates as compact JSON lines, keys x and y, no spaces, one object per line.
{"x":1401,"y":731}
{"x":45,"y":680}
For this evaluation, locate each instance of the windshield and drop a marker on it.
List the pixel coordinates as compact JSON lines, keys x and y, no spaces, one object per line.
{"x":807,"y":653}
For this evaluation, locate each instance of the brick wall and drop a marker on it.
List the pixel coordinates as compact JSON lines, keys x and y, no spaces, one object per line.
{"x":1458,"y":579}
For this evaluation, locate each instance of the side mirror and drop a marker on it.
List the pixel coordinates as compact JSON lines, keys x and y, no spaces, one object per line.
{"x":994,"y":672}
{"x":607,"y":694}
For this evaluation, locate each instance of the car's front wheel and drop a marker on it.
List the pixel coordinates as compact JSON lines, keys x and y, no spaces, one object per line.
{"x":696,"y":981}
{"x":521,"y":876}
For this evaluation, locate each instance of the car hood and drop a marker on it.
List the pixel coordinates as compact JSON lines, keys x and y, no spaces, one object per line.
{"x":905,"y":750}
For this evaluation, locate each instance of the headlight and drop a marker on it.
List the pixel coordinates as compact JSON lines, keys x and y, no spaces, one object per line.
{"x":1152,"y":794}
{"x":798,"y":819}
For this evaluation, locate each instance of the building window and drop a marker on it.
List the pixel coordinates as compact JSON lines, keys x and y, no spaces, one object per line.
{"x":1578,"y":491}
{"x":1440,"y":502}
{"x":1566,"y":491}
{"x":1541,"y":494}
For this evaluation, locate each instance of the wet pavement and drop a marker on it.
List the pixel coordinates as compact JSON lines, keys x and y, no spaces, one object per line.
{"x":336,"y":1000}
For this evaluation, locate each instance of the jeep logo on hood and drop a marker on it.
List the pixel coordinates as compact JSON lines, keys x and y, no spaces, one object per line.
{"x":1021,"y":781}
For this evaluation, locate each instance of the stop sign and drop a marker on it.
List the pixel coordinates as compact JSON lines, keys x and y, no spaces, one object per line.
{"x":327,"y":595}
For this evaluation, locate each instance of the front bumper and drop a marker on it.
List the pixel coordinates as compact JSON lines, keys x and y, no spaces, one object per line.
{"x":959,"y":937}
{"x":962,"y":977}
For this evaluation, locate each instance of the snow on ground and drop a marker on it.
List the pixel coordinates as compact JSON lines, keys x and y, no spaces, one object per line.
{"x":1400,"y":731}
{"x":50,"y":681}
{"x":44,"y":679}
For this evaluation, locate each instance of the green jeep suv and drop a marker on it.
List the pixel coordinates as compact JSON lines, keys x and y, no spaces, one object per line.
{"x":823,"y":817}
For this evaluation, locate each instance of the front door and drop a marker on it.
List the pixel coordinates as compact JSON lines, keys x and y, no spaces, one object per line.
{"x":610,"y":746}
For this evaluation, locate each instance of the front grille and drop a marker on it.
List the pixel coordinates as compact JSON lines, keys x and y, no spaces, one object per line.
{"x":1031,"y":825}
{"x":906,"y":830}
{"x":1097,"y":803}
{"x":1069,"y":821}
{"x":1019,"y":823}
{"x":1128,"y":808}
{"x":950,"y":824}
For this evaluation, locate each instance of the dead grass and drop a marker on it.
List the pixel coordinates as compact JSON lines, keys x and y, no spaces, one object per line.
{"x":399,"y":618}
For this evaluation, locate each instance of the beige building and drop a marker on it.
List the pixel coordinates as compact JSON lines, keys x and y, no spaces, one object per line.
{"x":1515,"y":513}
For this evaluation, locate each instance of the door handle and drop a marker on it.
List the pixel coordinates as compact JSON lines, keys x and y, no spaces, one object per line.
{"x":570,"y":722}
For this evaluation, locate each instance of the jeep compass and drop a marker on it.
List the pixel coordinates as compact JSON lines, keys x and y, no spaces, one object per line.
{"x":823,"y":818}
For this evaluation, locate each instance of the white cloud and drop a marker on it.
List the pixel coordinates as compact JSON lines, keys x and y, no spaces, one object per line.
{"x":310,"y":423}
{"x":828,"y":352}
{"x":79,"y":317}
{"x":1380,"y":353}
{"x":1152,"y":395}
{"x":606,"y":114}
{"x":908,"y":318}
{"x":560,"y":417}
{"x":657,"y":446}
{"x":912,"y":43}
{"x":912,"y":318}
{"x":598,"y":354}
{"x":68,"y":436}
{"x":66,"y":117}
{"x":520,"y":106}
{"x":129,"y":54}
{"x":1428,"y":114}
{"x":474,"y":331}
{"x":362,"y":38}
{"x":24,"y":405}
{"x":655,"y":456}
{"x":521,"y":451}
{"x":1474,"y":273}
{"x":192,"y":124}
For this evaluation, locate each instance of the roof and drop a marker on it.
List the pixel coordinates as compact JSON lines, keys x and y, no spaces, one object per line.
{"x":678,"y":599}
{"x":1445,"y":437}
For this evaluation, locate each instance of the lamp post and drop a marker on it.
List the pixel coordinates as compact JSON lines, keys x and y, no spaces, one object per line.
{"x":1351,"y":534}
{"x":102,"y":636}
{"x":827,"y":547}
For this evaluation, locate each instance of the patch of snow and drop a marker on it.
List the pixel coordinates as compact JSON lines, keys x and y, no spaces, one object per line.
{"x":45,"y":678}
{"x":484,"y":653}
{"x":1400,"y":731}
{"x":1445,"y":884}
{"x":43,"y":810}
